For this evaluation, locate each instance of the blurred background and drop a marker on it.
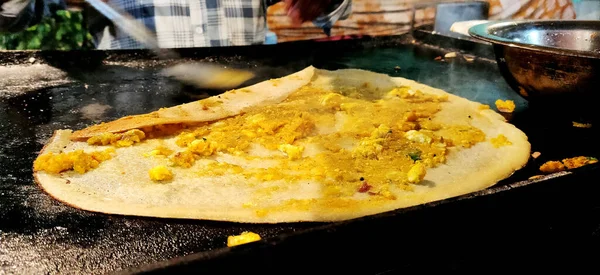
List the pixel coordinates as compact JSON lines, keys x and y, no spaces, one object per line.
{"x":66,"y":30}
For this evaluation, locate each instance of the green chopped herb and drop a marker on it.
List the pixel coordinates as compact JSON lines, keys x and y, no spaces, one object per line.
{"x":416,"y":155}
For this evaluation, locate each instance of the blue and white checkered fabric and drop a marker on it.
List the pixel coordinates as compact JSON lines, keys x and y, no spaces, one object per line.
{"x":202,"y":23}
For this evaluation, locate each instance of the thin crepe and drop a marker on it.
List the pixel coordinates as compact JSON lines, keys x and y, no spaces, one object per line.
{"x":121,"y":185}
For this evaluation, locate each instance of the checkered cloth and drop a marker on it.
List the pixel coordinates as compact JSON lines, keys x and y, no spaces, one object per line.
{"x":196,"y":23}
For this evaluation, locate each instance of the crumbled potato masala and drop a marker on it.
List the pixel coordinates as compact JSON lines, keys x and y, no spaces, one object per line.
{"x":78,"y":160}
{"x":118,"y":140}
{"x":160,"y":173}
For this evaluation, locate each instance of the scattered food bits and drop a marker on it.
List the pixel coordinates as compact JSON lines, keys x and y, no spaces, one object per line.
{"x":245,"y":237}
{"x":536,"y":155}
{"x":397,"y":68}
{"x":78,"y":160}
{"x":450,"y":55}
{"x":572,"y":163}
{"x":535,"y":177}
{"x":438,"y":58}
{"x":568,"y":163}
{"x":552,"y":167}
{"x":160,"y":173}
{"x":469,"y":58}
{"x":582,"y":125}
{"x":507,"y":106}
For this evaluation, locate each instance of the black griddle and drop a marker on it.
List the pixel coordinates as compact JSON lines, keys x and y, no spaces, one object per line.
{"x":500,"y":227}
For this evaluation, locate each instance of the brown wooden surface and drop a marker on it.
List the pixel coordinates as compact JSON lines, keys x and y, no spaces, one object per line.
{"x":392,"y":17}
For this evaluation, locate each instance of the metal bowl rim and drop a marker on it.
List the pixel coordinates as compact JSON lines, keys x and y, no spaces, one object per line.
{"x":481,"y":31}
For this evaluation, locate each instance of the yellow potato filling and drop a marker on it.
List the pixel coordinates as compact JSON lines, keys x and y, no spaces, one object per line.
{"x":388,"y":139}
{"x":500,"y":140}
{"x":160,"y":173}
{"x":78,"y":160}
{"x":118,"y":140}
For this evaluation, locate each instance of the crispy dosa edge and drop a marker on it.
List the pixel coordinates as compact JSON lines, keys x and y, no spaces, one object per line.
{"x":466,"y":171}
{"x":209,"y":109}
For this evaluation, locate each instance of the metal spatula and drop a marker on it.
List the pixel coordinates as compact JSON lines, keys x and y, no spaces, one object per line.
{"x":201,"y":75}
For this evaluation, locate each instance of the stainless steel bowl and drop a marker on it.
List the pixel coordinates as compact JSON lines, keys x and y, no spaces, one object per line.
{"x":547,"y":60}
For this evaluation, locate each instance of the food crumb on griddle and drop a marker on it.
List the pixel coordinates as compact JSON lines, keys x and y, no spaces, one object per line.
{"x":397,"y":68}
{"x":567,"y":164}
{"x":572,"y":163}
{"x":439,"y":58}
{"x":536,"y":155}
{"x":450,"y":55}
{"x":469,"y":58}
{"x":535,"y":177}
{"x":505,"y":106}
{"x":245,"y":237}
{"x":582,"y":125}
{"x":552,"y":167}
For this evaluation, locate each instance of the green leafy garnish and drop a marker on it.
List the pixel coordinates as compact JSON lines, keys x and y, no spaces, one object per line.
{"x":64,"y":30}
{"x":416,"y":155}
